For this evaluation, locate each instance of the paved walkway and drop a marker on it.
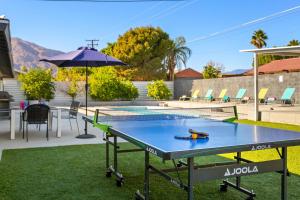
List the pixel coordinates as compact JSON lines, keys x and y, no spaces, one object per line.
{"x":38,"y":138}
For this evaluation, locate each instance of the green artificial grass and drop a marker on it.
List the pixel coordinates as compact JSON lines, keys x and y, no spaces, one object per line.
{"x":289,"y":127}
{"x":78,"y":172}
{"x":269,"y":154}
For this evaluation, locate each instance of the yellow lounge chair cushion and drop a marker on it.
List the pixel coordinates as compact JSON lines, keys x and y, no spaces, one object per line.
{"x":262,"y":93}
{"x":222,"y":93}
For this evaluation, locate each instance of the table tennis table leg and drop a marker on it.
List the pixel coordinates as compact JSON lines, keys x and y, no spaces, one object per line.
{"x":145,"y":195}
{"x":146,"y":181}
{"x":108,"y":172}
{"x":284,"y":174}
{"x":115,"y":154}
{"x":238,"y":179}
{"x":190,"y":162}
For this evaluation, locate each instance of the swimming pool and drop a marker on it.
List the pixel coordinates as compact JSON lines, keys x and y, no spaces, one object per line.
{"x":142,"y":110}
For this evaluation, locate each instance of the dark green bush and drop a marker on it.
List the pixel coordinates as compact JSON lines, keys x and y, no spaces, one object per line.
{"x":158,"y":90}
{"x":105,"y":85}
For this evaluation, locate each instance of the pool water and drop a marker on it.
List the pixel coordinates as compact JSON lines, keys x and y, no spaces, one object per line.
{"x":142,"y":110}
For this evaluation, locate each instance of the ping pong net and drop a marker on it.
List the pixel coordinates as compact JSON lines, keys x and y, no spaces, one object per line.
{"x":143,"y":113}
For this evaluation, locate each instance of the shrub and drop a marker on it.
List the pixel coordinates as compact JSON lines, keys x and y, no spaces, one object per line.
{"x":105,"y":85}
{"x":37,"y":84}
{"x":128,"y":91}
{"x":72,"y":89}
{"x":158,"y":90}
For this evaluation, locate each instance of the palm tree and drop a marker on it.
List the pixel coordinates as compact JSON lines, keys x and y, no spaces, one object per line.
{"x":259,"y":38}
{"x":177,"y":56}
{"x":294,"y":43}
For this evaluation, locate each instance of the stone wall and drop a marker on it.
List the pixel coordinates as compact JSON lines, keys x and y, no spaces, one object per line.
{"x":275,"y":82}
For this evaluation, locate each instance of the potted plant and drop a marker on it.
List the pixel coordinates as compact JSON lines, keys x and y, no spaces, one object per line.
{"x":72,"y":89}
{"x":37,"y":85}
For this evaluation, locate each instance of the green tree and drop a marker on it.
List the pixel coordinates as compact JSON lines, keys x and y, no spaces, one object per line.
{"x":105,"y":85}
{"x":108,"y":50}
{"x":72,"y":77}
{"x":259,"y":38}
{"x":71,"y":74}
{"x":37,"y":84}
{"x":177,"y":56}
{"x":212,"y":70}
{"x":143,"y":49}
{"x":158,"y":90}
{"x":294,"y":43}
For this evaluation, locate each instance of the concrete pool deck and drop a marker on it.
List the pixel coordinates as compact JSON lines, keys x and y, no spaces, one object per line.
{"x":278,"y":113}
{"x":270,"y":113}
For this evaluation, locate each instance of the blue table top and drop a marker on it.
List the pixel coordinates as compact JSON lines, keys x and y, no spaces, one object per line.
{"x":158,"y":136}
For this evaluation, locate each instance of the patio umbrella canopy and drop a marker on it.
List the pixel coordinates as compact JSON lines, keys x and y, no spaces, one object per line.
{"x":84,"y":57}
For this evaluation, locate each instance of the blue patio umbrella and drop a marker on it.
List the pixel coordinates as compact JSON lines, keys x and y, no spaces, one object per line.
{"x":84,"y":57}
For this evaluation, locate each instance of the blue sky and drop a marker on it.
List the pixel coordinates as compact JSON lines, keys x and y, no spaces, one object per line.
{"x":66,"y":25}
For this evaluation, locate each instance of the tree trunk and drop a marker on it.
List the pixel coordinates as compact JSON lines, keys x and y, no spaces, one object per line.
{"x":171,"y":68}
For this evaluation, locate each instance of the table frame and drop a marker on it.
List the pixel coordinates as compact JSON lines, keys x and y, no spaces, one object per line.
{"x":199,"y":173}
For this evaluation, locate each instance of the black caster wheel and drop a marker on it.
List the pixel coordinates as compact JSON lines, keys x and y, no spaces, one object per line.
{"x":108,"y":174}
{"x":119,"y":183}
{"x":138,"y":196}
{"x":223,"y":188}
{"x":179,"y":165}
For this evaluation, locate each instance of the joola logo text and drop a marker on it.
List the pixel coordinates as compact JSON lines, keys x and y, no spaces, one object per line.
{"x":241,"y":170}
{"x":153,"y":151}
{"x":261,"y":147}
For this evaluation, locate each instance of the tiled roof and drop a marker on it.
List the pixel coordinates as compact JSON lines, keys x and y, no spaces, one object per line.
{"x":276,"y":66}
{"x":188,"y":73}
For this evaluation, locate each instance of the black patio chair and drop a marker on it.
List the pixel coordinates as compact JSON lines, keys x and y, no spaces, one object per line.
{"x":71,"y":113}
{"x":36,"y":114}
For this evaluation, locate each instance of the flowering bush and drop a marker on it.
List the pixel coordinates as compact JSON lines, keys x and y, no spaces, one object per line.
{"x":158,"y":90}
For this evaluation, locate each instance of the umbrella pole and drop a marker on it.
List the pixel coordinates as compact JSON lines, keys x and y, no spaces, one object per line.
{"x":86,"y":135}
{"x":86,"y":93}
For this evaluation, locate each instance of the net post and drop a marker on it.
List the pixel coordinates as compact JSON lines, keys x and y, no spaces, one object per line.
{"x":96,"y":115}
{"x":235,"y":112}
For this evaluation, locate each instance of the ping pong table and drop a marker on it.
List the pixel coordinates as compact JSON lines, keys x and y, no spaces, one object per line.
{"x":155,"y":134}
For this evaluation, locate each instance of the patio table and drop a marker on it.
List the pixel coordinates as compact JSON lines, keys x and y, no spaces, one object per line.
{"x":16,"y":110}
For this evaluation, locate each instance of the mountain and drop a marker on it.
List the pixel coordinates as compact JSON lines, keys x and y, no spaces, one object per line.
{"x":28,"y":54}
{"x":237,"y":71}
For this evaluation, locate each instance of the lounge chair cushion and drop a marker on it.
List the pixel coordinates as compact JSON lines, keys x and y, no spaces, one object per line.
{"x":222,"y":93}
{"x":262,"y":93}
{"x":240,"y":93}
{"x":288,"y":93}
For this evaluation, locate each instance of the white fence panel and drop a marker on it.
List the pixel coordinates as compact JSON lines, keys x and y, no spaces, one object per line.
{"x":13,"y":87}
